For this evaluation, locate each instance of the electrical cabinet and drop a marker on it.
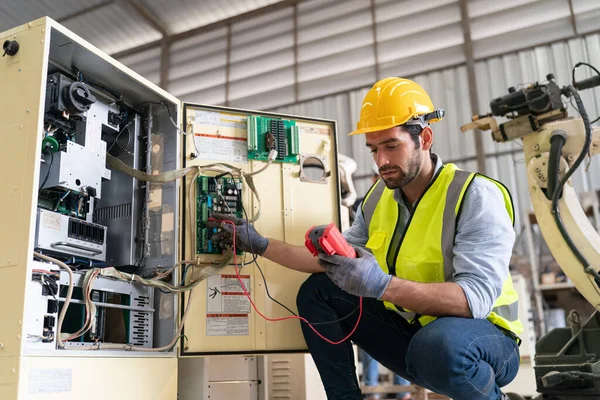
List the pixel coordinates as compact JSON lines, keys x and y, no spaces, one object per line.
{"x":111,"y":266}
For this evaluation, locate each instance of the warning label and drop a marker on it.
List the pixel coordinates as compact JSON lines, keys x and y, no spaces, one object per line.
{"x":221,"y":119}
{"x":225,"y":295}
{"x":221,"y":136}
{"x":227,"y":305}
{"x":226,"y":324}
{"x":221,"y":148}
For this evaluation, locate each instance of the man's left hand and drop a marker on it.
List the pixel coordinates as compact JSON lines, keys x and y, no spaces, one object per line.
{"x":360,"y":276}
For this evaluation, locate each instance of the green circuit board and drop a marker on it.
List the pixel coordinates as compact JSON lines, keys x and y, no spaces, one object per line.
{"x":265,"y":134}
{"x":67,"y":203}
{"x":222,"y":195}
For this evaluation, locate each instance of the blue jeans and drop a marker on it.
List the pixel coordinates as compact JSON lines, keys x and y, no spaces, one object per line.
{"x":371,"y":373}
{"x":462,"y":358}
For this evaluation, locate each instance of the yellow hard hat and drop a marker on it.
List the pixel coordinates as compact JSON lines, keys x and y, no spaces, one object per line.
{"x":395,"y":101}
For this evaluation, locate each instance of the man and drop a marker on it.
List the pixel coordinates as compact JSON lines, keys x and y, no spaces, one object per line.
{"x":433,"y":245}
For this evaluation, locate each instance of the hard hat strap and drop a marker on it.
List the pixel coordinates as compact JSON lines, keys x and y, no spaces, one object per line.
{"x":437,"y":114}
{"x":419,"y":120}
{"x":423,"y":120}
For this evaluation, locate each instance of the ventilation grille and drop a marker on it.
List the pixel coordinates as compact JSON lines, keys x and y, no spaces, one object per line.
{"x":281,"y":379}
{"x":113,"y":212}
{"x":141,"y":322}
{"x":119,"y":143}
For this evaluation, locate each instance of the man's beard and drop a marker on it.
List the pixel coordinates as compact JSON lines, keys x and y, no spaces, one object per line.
{"x":403,"y":176}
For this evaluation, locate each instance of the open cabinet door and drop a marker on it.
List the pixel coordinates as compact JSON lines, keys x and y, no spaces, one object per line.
{"x":298,"y":190}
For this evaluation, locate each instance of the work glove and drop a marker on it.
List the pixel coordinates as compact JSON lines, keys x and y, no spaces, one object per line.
{"x":360,"y":276}
{"x":246,"y":237}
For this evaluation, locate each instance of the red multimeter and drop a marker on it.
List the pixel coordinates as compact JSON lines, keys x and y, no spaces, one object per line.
{"x":329,"y":240}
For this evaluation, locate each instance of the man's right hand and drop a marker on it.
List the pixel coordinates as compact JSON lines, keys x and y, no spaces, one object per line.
{"x":246,"y":237}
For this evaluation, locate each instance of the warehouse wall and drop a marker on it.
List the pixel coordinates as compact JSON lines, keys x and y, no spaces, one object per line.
{"x":329,"y":46}
{"x":449,"y":90}
{"x":320,"y":59}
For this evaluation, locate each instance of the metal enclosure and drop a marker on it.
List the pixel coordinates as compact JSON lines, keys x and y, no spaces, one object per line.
{"x":32,"y":367}
{"x":293,"y":197}
{"x":123,"y":198}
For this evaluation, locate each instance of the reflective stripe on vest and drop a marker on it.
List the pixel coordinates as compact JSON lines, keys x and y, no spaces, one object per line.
{"x":424,"y":253}
{"x":509,"y":311}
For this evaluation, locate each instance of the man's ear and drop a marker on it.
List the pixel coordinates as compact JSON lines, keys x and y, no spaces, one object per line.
{"x":426,"y":138}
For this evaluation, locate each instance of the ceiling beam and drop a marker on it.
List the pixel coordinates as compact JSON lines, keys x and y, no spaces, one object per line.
{"x":573,"y":18}
{"x":149,"y":16}
{"x":165,"y":63}
{"x":375,"y":41}
{"x":473,"y":97}
{"x":85,"y":11}
{"x":210,"y":27}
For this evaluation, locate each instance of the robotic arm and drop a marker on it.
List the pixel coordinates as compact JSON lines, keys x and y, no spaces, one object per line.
{"x":555,"y":145}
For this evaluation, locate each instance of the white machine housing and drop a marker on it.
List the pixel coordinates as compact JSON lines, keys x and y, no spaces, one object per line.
{"x":290,"y":205}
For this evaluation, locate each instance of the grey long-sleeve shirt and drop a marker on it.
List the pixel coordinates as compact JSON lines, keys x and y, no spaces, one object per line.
{"x":483,"y":244}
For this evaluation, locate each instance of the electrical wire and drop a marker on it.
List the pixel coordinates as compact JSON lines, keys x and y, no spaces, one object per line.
{"x":237,"y":272}
{"x":335,"y":321}
{"x":183,"y":132}
{"x":254,"y":260}
{"x":168,"y":347}
{"x":62,"y":199}
{"x":90,"y":307}
{"x":49,"y":169}
{"x":579,"y":64}
{"x":205,"y":272}
{"x":63,"y":312}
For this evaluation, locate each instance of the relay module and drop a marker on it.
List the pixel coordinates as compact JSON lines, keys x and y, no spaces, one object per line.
{"x":219,"y":195}
{"x":265,"y":134}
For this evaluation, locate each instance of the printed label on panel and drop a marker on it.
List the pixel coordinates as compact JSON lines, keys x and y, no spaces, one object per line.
{"x":50,"y":380}
{"x":227,"y":305}
{"x":227,"y":324}
{"x":221,"y":148}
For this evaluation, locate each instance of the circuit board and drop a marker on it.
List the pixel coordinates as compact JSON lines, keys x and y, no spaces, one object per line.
{"x":265,"y":134}
{"x":222,"y":195}
{"x":69,"y":202}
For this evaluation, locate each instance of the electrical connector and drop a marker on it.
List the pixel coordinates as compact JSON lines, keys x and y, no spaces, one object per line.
{"x":272,"y":155}
{"x":52,"y":306}
{"x":48,"y":336}
{"x":49,"y":321}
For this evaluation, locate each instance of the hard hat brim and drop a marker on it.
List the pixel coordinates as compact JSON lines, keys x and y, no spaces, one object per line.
{"x":371,"y":129}
{"x":382,"y":128}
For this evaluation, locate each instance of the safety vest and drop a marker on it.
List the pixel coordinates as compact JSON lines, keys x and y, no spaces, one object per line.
{"x":423,"y":252}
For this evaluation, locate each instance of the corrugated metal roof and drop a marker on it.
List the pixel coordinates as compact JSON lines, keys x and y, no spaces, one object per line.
{"x":116,"y":26}
{"x":183,"y":15}
{"x":15,"y":13}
